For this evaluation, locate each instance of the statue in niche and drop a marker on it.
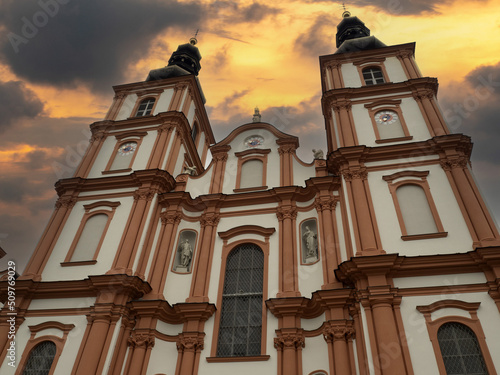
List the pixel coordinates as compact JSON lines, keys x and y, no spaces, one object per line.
{"x":186,"y":253}
{"x":309,"y":238}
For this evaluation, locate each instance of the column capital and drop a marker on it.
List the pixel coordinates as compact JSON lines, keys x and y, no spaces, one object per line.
{"x":141,"y":340}
{"x":65,"y":201}
{"x":353,"y":173}
{"x":286,"y":213}
{"x":452,"y":163}
{"x":289,"y":338}
{"x":338,"y":330}
{"x":328,"y":204}
{"x":144,"y":195}
{"x":170,"y":218}
{"x":190,"y":342}
{"x":209,"y":219}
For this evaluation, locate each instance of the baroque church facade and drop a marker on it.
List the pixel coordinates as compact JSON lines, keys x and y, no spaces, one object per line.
{"x":379,"y":257}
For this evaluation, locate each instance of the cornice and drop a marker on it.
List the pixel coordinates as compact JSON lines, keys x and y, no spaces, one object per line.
{"x":361,"y":55}
{"x":416,"y":85}
{"x":394,"y":265}
{"x":157,"y":309}
{"x":159,"y":180}
{"x":254,"y":126}
{"x":443,"y":146}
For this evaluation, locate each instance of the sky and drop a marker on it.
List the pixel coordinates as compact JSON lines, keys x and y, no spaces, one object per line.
{"x":60,"y":58}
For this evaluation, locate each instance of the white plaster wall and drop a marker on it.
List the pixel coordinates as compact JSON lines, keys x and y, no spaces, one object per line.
{"x":350,"y":75}
{"x":414,"y":120}
{"x":163,"y":358}
{"x":168,"y":329}
{"x":458,"y":239}
{"x":153,"y":249}
{"x":301,"y":173}
{"x":127,"y":107}
{"x":363,"y":123}
{"x":180,"y":160}
{"x":112,"y":346}
{"x":106,"y":153}
{"x":100,"y":192}
{"x":164,"y":101}
{"x":201,"y":144}
{"x":70,"y":350}
{"x":369,"y":355}
{"x":141,"y":250}
{"x":169,"y":149}
{"x":253,"y":207}
{"x":273,"y":169}
{"x":315,"y":355}
{"x":335,"y":127}
{"x":349,"y":216}
{"x":190,"y":115}
{"x":53,"y":269}
{"x":419,"y":343}
{"x":314,"y":323}
{"x":411,"y":159}
{"x":341,"y":237}
{"x":395,"y":70}
{"x":439,"y":280}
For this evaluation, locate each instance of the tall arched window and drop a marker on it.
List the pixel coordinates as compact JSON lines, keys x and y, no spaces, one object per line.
{"x":373,"y":76}
{"x":240,"y":327}
{"x":251,"y":174}
{"x":460,"y":350}
{"x":415,"y":209}
{"x":40,"y":359}
{"x":145,"y":107}
{"x":90,"y":238}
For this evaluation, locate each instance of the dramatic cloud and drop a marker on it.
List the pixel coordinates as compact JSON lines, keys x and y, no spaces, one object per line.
{"x":318,"y":39}
{"x":64,"y":42}
{"x":471,"y":107}
{"x":17,"y":101}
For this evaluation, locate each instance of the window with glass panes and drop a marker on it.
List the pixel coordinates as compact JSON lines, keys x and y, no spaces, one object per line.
{"x":240,"y":327}
{"x":460,"y":350}
{"x":145,"y":107}
{"x":373,"y":76}
{"x":40,"y":359}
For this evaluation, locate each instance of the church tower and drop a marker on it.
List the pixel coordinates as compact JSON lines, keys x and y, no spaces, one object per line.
{"x":381,"y":258}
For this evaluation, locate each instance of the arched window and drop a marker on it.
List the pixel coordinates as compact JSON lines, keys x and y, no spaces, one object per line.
{"x":90,"y":238}
{"x":389,"y":124}
{"x":460,"y":350}
{"x":251,"y":173}
{"x":373,"y":76}
{"x":415,"y":209}
{"x":40,"y":359}
{"x":240,"y":327}
{"x":145,"y":107}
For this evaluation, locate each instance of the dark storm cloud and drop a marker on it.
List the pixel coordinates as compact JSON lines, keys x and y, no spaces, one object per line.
{"x":232,"y":12}
{"x":15,"y":189}
{"x":472,"y":107}
{"x":318,"y":39}
{"x":17,"y":101}
{"x":63,"y":42}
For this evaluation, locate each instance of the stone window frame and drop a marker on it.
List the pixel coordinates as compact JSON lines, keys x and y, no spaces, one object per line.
{"x":121,"y":139}
{"x":388,"y":105}
{"x":248,"y":155}
{"x":371,"y":63}
{"x":33,"y":341}
{"x":473,"y":323}
{"x":226,"y":249}
{"x":418,"y":178}
{"x":89,"y":213}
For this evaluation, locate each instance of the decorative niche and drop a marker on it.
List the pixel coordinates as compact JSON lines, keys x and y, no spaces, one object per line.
{"x":309,"y":241}
{"x":184,"y":251}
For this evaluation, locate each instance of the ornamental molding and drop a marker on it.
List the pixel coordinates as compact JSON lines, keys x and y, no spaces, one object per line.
{"x":211,"y":220}
{"x":338,"y":331}
{"x":141,"y":340}
{"x":147,"y":195}
{"x":170,"y":218}
{"x":293,"y":339}
{"x":66,"y":202}
{"x":449,"y":164}
{"x":326,"y":204}
{"x":355,"y":173}
{"x":190,"y":341}
{"x":286,"y":213}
